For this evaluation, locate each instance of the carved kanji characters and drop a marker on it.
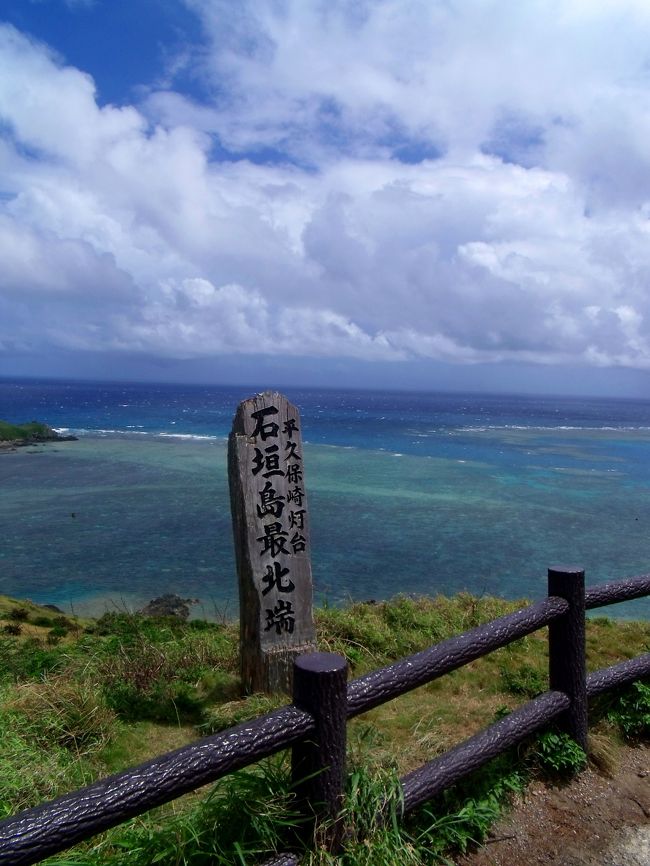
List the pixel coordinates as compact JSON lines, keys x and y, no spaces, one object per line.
{"x":293,"y":454}
{"x":298,"y":542}
{"x":265,"y":429}
{"x":281,"y":617}
{"x":297,"y":519}
{"x":296,"y":495}
{"x":270,"y":461}
{"x":273,"y":540}
{"x":271,"y":503}
{"x":294,"y":473}
{"x":273,"y":579}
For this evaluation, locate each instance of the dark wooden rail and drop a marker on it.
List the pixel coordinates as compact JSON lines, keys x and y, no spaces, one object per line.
{"x":314,"y":726}
{"x":396,"y":679}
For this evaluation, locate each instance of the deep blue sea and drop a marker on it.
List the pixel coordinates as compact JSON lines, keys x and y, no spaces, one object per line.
{"x":409,"y":493}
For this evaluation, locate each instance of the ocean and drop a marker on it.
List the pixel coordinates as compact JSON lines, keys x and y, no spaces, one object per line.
{"x":409,"y":493}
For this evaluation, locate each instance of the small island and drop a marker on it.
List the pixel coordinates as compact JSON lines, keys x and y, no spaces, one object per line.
{"x":32,"y":433}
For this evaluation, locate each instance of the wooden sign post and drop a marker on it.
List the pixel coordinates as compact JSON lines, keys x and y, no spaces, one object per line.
{"x":271,"y":527}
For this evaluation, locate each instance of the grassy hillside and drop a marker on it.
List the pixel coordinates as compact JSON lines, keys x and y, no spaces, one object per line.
{"x":81,"y":699}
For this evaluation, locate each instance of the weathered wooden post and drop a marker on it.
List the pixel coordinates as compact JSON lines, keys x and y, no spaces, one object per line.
{"x":318,"y":764}
{"x":272,"y":549}
{"x":566,"y":649}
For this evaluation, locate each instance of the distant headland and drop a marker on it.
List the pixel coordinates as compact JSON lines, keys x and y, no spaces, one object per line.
{"x":32,"y":433}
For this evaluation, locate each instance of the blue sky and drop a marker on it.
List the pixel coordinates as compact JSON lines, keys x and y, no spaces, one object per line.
{"x":398,"y":192}
{"x":123,"y":44}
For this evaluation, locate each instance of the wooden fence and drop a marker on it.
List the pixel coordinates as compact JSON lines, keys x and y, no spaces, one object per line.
{"x":314,"y":725}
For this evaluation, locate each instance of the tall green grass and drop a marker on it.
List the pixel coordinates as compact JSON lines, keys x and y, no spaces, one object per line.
{"x":112,"y":692}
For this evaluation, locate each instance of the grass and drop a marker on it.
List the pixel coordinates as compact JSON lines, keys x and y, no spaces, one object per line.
{"x":81,"y":699}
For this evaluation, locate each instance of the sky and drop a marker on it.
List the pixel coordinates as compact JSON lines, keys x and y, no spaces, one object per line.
{"x":441,"y":194}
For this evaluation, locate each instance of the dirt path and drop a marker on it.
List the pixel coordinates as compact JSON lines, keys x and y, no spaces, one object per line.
{"x":595,"y":821}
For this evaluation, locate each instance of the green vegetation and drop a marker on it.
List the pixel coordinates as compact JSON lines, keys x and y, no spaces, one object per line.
{"x":31,"y":430}
{"x":80,"y":699}
{"x":631,"y":711}
{"x":558,"y":755}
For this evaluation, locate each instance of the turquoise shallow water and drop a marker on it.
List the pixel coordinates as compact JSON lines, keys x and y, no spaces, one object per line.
{"x":416,"y":504}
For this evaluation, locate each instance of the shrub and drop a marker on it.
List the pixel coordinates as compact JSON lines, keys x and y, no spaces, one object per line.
{"x":201,"y":625}
{"x":631,"y":710}
{"x":160,"y":701}
{"x":133,"y":626}
{"x":219,"y":686}
{"x":12,"y":628}
{"x":161,"y":670}
{"x":558,"y":755}
{"x":19,"y":614}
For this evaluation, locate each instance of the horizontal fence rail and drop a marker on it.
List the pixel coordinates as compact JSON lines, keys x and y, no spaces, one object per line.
{"x":396,"y":679}
{"x":427,"y":781}
{"x":618,"y":591}
{"x":36,"y":833}
{"x":311,"y":730}
{"x":432,"y":778}
{"x":618,"y":675}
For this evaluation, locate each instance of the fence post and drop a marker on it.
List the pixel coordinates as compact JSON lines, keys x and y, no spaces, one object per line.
{"x":566,"y":649}
{"x":318,"y":765}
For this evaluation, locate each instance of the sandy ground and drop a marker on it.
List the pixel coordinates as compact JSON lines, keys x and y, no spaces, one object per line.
{"x":597,"y":820}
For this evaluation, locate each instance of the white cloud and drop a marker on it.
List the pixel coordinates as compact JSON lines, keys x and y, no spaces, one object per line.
{"x":526,"y":238}
{"x":51,"y":108}
{"x":445,"y":72}
{"x":196,"y":317}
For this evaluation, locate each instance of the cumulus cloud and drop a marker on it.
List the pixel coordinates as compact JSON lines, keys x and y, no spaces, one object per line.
{"x":238,"y":320}
{"x":386,"y":180}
